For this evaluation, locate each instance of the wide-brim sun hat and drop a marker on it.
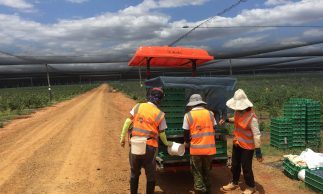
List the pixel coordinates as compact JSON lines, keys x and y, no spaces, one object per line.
{"x":239,"y":101}
{"x":195,"y":99}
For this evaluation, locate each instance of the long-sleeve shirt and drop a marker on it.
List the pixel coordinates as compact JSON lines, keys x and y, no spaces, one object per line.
{"x":256,"y":132}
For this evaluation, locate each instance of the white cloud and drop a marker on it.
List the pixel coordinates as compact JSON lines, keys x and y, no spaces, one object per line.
{"x":143,"y":24}
{"x":277,"y":2}
{"x":17,"y":4}
{"x":77,"y":1}
{"x":148,"y":5}
{"x":244,"y":42}
{"x":313,"y":33}
{"x":292,"y":41}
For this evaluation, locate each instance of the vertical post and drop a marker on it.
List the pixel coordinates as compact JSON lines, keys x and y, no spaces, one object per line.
{"x":49,"y":88}
{"x":194,"y":74}
{"x":148,"y":73}
{"x":31,"y":82}
{"x":230,"y":67}
{"x":80,"y":79}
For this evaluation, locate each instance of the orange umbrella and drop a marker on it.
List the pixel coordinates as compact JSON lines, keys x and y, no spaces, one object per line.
{"x":165,"y":56}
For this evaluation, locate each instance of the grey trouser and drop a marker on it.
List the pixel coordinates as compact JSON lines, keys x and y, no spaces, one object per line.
{"x":147,"y":161}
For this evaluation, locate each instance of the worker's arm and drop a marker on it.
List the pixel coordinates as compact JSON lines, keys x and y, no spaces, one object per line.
{"x":163,"y":138}
{"x":256,"y":136}
{"x":162,"y":135}
{"x":125,"y":128}
{"x":186,"y":128}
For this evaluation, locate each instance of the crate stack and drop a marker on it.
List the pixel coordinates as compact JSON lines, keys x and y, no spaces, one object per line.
{"x":280,"y":136}
{"x":174,"y":104}
{"x":314,"y":180}
{"x":303,"y":118}
{"x":295,"y":110}
{"x":313,"y":123}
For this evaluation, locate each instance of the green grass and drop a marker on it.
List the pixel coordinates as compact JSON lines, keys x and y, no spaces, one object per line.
{"x":132,"y":88}
{"x":21,"y":101}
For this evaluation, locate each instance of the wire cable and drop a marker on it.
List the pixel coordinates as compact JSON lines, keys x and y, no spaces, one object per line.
{"x":255,"y":26}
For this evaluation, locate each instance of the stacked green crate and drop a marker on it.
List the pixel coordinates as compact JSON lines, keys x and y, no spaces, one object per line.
{"x":314,"y":180}
{"x":174,"y":104}
{"x":281,"y":133}
{"x":313,"y":123}
{"x":295,"y":110}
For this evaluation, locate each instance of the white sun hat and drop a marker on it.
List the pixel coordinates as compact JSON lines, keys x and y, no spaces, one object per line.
{"x":195,"y":99}
{"x":239,"y":101}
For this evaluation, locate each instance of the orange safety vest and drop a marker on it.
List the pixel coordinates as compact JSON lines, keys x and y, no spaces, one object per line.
{"x":146,"y":120}
{"x":242,"y":129}
{"x":201,"y":124}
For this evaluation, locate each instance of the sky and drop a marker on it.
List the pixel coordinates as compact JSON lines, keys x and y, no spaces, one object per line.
{"x":119,"y":27}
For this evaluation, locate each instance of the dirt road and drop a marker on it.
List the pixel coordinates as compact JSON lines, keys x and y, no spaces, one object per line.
{"x":72,"y":147}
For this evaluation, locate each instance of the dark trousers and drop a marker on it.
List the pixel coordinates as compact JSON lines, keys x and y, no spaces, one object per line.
{"x":242,"y":158}
{"x":146,"y":161}
{"x":201,"y":167}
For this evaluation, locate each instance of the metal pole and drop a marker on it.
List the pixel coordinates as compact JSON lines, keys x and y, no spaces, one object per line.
{"x":49,"y":88}
{"x":31,"y":82}
{"x":148,"y":73}
{"x":230,"y":67}
{"x":194,"y":74}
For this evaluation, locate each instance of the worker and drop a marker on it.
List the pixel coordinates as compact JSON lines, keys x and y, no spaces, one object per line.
{"x":148,"y":121}
{"x":198,"y":125}
{"x":246,"y":140}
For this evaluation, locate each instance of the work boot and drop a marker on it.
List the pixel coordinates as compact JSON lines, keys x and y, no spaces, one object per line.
{"x":249,"y":190}
{"x":230,"y":187}
{"x":150,"y":188}
{"x":134,"y":185}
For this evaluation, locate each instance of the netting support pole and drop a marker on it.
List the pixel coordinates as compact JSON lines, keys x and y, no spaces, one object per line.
{"x":48,"y":81}
{"x":194,"y":74}
{"x":230,"y":67}
{"x":148,"y":73}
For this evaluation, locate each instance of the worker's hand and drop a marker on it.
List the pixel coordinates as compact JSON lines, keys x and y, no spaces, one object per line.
{"x":235,"y":141}
{"x":259,"y":155}
{"x":169,"y":144}
{"x":221,"y":122}
{"x":122,"y":142}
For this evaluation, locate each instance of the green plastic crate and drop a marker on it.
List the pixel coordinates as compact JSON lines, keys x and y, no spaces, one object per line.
{"x":314,"y":179}
{"x":291,"y":169}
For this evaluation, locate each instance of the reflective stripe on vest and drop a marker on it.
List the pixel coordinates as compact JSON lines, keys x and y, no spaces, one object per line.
{"x":190,"y":119}
{"x":245,"y":140}
{"x":148,"y":133}
{"x":246,"y":133}
{"x":146,"y":120}
{"x":203,"y":146}
{"x":159,"y":116}
{"x":202,"y":132}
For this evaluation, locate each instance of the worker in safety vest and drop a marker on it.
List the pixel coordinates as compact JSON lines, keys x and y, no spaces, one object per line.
{"x":246,"y":141}
{"x":147,"y":121}
{"x":199,"y":134}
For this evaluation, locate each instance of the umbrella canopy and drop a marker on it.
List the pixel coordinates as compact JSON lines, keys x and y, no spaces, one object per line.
{"x":165,"y":56}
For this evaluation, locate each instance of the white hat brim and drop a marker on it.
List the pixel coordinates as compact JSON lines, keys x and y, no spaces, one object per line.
{"x":195,"y":103}
{"x":239,"y":104}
